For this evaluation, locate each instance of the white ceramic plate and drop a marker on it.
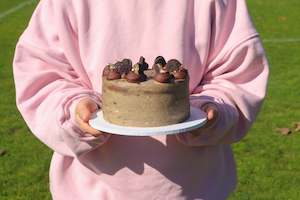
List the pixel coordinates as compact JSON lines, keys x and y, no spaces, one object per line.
{"x":197,"y":119}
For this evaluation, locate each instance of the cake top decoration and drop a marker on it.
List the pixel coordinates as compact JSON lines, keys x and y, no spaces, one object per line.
{"x":160,"y":60}
{"x":180,"y":74}
{"x":143,"y":65}
{"x":132,"y":77}
{"x":124,"y":66}
{"x":164,"y":72}
{"x":163,"y":76}
{"x":173,"y":65}
{"x":113,"y":74}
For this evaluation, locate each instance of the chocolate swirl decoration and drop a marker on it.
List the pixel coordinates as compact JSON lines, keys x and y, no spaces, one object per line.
{"x":180,"y":74}
{"x":113,"y":74}
{"x":137,"y":74}
{"x":163,"y":76}
{"x":133,"y":77}
{"x":106,"y":70}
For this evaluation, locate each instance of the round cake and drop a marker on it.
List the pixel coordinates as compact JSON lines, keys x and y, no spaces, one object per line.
{"x":140,"y":97}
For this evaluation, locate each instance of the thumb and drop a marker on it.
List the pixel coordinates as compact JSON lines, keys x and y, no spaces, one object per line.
{"x":87,"y":109}
{"x":210,"y":113}
{"x":85,"y":114}
{"x":92,"y":106}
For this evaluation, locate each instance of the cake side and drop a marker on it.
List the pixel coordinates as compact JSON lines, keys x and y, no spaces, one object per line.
{"x":147,"y":104}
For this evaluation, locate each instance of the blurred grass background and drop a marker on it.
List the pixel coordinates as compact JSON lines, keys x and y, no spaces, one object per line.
{"x":268,"y":163}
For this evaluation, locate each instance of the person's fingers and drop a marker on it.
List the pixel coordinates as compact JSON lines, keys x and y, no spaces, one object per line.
{"x":85,"y":113}
{"x":212,"y":115}
{"x":85,"y":127}
{"x":92,"y":106}
{"x":211,"y":112}
{"x":86,"y":108}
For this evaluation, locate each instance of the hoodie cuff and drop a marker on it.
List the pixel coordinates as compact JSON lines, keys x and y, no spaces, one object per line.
{"x":80,"y":142}
{"x":213,"y":134}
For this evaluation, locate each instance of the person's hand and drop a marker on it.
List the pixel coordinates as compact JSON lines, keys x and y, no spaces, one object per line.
{"x":83,"y":112}
{"x":212,"y":115}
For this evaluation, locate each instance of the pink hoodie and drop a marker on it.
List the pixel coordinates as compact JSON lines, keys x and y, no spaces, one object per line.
{"x":59,"y":60}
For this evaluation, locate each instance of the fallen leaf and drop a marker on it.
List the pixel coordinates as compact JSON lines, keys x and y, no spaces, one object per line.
{"x":2,"y":152}
{"x":282,"y":18}
{"x":297,"y":126}
{"x":284,"y":131}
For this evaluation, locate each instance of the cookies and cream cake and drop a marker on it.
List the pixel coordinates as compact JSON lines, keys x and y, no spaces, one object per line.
{"x":134,"y":95}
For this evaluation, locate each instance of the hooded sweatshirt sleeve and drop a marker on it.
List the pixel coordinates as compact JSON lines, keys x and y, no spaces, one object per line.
{"x":50,"y":79}
{"x":235,"y":72}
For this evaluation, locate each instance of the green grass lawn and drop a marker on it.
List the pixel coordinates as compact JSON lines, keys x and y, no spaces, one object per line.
{"x":268,"y":163}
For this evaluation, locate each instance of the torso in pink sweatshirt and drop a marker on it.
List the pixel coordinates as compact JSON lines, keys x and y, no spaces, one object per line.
{"x":59,"y":60}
